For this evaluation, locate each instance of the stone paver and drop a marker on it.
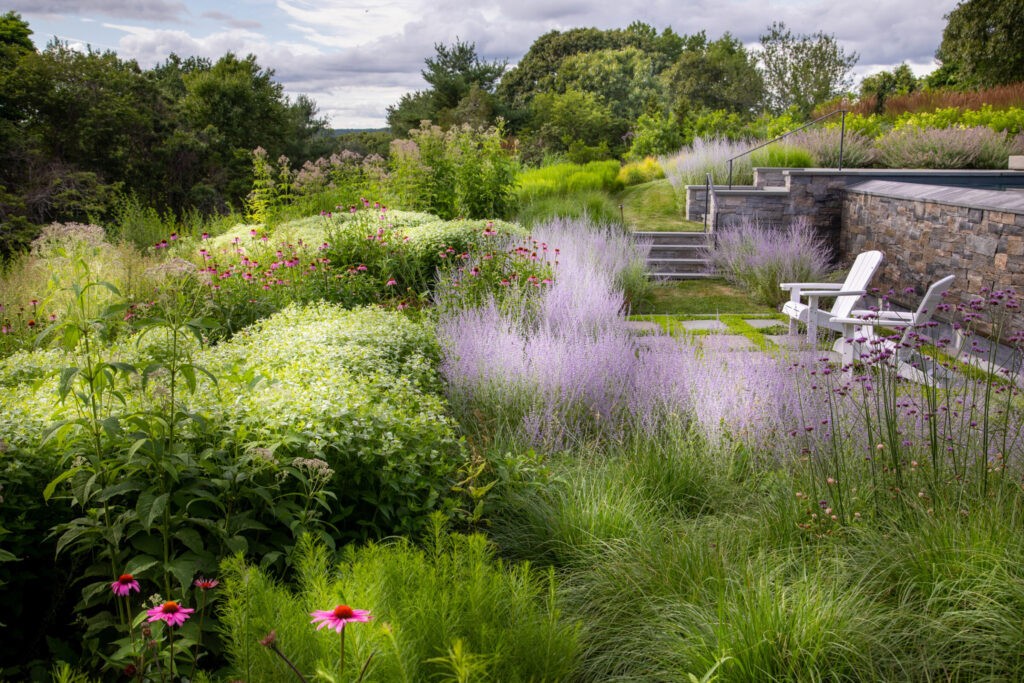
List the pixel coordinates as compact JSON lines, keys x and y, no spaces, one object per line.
{"x":705,"y":324}
{"x":763,"y":323}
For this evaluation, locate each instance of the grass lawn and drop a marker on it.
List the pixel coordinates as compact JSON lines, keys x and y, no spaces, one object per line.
{"x":700,"y":297}
{"x":654,"y":206}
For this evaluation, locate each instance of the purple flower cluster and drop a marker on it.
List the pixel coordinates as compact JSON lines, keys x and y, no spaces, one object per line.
{"x":569,"y":368}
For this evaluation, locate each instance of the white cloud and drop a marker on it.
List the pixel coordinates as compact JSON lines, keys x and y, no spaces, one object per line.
{"x":355,"y":57}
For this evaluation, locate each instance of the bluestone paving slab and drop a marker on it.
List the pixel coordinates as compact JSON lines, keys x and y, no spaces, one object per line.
{"x":763,"y":323}
{"x":705,"y":324}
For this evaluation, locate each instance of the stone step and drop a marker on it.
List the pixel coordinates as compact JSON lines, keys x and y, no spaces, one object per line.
{"x":677,"y":265}
{"x":673,"y":238}
{"x":680,"y":276}
{"x":676,"y":251}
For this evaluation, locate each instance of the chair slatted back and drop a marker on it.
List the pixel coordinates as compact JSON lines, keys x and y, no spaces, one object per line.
{"x":926,"y":309}
{"x":863,"y":269}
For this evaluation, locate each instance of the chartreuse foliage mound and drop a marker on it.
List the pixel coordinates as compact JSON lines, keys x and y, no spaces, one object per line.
{"x":356,"y":388}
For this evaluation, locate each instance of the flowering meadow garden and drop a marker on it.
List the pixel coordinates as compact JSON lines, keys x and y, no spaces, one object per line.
{"x":374,"y":445}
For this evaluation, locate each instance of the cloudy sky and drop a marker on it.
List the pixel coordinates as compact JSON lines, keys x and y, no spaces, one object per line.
{"x":355,"y":57}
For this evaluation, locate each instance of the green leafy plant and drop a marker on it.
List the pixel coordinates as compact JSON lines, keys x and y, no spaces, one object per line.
{"x":437,"y":609}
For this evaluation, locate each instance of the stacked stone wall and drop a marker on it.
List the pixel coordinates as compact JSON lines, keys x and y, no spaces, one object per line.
{"x":925,"y":240}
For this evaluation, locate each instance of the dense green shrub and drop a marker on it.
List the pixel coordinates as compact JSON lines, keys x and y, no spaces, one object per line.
{"x":462,"y":172}
{"x":357,"y":389}
{"x":1010,"y":120}
{"x":320,"y":421}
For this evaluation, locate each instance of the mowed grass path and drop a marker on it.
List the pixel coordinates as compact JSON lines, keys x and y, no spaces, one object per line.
{"x":654,"y":206}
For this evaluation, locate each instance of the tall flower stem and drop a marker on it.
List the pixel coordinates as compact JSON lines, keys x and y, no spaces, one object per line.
{"x":341,"y":666}
{"x":199,"y":638}
{"x":170,"y":636}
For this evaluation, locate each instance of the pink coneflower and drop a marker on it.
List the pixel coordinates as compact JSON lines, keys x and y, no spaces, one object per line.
{"x":339,"y":616}
{"x":392,"y":282}
{"x":205,"y":584}
{"x":170,"y":612}
{"x":205,"y":236}
{"x":124,"y":585}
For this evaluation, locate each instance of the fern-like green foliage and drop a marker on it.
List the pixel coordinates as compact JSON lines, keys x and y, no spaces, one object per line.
{"x":439,"y":609}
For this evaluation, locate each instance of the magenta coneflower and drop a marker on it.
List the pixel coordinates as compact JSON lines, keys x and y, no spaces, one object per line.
{"x":124,"y":585}
{"x":391,"y":282}
{"x":205,"y":584}
{"x":170,"y":612}
{"x":339,"y":616}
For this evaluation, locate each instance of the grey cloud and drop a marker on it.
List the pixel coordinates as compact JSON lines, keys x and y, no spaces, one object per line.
{"x":149,"y":10}
{"x":231,"y":21}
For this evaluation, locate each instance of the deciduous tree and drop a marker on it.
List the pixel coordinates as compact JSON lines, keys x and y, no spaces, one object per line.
{"x":983,"y":44}
{"x":803,"y":70}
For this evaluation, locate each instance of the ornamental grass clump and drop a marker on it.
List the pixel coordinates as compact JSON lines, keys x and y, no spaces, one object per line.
{"x":690,"y":165}
{"x":978,"y":147}
{"x":560,"y":367}
{"x":757,"y":257}
{"x":823,"y":145}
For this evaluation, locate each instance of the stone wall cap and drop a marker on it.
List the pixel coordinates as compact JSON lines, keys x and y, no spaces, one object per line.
{"x":937,"y":172}
{"x":993,"y":200}
{"x":750,"y":190}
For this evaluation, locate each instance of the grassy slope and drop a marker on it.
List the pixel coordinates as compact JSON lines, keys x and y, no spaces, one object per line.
{"x":653,"y":206}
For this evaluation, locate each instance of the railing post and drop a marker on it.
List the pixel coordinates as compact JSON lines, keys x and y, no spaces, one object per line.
{"x":730,"y":174}
{"x":707,"y":199}
{"x":842,"y":139}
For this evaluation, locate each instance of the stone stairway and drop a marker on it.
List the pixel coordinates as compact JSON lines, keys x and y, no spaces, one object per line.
{"x":677,"y":255}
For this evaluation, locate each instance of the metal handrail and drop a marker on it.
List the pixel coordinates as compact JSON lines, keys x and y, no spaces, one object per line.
{"x":709,"y":191}
{"x":842,"y":139}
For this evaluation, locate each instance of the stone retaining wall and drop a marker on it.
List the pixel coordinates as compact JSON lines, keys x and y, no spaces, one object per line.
{"x":928,"y":232}
{"x":817,"y":194}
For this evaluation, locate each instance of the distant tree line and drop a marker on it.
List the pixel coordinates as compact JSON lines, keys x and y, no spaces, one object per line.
{"x":80,"y":129}
{"x":590,"y":93}
{"x":593,"y":93}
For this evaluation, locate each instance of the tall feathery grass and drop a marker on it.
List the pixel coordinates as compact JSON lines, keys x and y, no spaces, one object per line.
{"x":690,"y":165}
{"x":757,"y":257}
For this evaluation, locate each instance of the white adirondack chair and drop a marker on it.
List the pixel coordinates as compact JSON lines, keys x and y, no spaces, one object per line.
{"x":846,"y":294}
{"x":859,"y":335}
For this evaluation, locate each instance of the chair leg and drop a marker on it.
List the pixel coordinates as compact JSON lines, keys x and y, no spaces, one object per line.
{"x":812,"y":320}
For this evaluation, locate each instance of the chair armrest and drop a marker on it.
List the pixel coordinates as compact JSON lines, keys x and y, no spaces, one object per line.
{"x":815,"y":285}
{"x":851,"y":292}
{"x":883,"y":316}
